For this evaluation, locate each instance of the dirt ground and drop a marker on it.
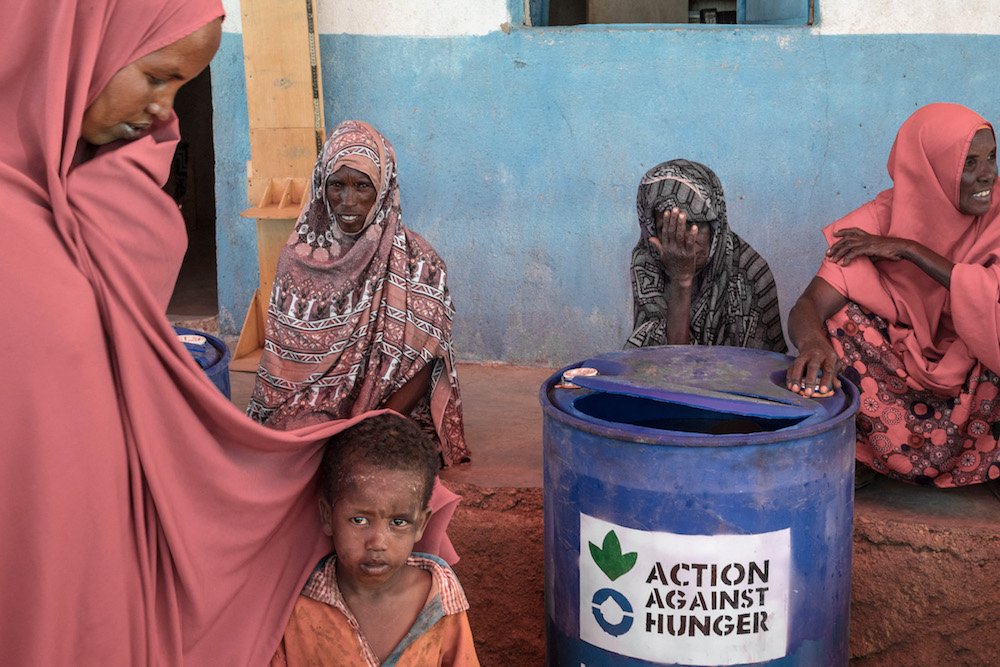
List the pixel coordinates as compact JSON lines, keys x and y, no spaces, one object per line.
{"x":926,"y":566}
{"x":498,"y":534}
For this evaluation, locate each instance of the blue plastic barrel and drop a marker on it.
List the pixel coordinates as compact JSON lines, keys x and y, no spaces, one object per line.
{"x":696,"y":512}
{"x":210,"y":353}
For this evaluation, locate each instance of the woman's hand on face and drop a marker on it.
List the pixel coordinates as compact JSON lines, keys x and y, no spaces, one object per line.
{"x":853,"y":242}
{"x":811,"y":371}
{"x":677,"y":245}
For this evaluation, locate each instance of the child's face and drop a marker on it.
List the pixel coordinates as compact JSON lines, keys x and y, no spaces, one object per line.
{"x":376,"y":518}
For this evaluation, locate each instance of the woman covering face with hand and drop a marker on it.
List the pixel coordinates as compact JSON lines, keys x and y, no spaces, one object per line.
{"x":145,"y":519}
{"x":694,"y":281}
{"x":906,"y":302}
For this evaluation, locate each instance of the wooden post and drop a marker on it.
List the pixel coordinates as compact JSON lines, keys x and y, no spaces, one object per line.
{"x":285,"y":104}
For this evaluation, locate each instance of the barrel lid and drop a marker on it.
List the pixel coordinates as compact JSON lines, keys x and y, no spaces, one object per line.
{"x":728,"y":380}
{"x":727,"y":400}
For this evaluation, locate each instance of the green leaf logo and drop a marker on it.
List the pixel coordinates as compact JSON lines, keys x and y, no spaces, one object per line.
{"x":610,"y":558}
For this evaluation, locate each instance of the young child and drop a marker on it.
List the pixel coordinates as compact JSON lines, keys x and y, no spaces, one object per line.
{"x":373,"y":602}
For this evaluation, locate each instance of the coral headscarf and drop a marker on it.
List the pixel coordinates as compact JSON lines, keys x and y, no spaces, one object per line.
{"x":145,"y":520}
{"x":941,"y":333}
{"x":735,"y":299}
{"x":354,"y":317}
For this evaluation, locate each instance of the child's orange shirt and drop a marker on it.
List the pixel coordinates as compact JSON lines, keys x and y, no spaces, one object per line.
{"x":323,"y":631}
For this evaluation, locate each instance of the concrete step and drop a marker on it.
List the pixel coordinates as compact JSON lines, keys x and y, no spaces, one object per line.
{"x":926,"y":576}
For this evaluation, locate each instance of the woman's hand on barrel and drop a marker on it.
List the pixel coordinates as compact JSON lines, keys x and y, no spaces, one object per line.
{"x":853,"y":243}
{"x":814,"y":371}
{"x":677,"y":244}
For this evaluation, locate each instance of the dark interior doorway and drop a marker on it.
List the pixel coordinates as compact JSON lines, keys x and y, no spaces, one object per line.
{"x":192,"y":185}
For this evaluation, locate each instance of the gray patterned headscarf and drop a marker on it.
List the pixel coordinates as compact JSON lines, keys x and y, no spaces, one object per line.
{"x":735,"y":300}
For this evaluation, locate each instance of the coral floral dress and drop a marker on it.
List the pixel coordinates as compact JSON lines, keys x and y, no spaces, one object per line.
{"x":925,"y":357}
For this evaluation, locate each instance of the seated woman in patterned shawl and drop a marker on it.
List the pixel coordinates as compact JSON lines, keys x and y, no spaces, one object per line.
{"x":694,"y":281}
{"x":360,"y":316}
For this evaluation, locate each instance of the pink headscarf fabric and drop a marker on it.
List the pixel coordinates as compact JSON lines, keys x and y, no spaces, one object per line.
{"x":145,"y":519}
{"x":940,"y":333}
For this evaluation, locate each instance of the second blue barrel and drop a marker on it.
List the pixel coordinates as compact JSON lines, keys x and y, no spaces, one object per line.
{"x":211,"y":355}
{"x":696,"y":512}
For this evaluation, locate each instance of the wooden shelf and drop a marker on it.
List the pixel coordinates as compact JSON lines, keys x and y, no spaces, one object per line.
{"x":285,"y":112}
{"x":275,"y":215}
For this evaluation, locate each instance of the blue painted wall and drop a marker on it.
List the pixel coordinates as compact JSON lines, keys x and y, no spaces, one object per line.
{"x":235,"y":237}
{"x":520,"y":153}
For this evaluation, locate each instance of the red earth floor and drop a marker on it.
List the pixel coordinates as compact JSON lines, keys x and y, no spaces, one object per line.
{"x":926,"y":569}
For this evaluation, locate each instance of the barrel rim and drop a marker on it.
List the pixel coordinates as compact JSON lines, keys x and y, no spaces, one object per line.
{"x":650,"y":436}
{"x":215,"y":341}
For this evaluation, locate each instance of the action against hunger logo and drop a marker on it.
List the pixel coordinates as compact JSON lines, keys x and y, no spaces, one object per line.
{"x":613,"y":563}
{"x":689,"y":599}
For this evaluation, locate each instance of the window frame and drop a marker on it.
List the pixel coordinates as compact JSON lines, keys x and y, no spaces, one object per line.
{"x":534,"y":13}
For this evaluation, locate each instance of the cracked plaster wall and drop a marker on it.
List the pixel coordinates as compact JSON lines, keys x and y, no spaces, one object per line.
{"x":520,"y":150}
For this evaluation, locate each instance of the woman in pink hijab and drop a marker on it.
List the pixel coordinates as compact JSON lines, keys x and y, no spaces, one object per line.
{"x":145,"y":520}
{"x":906,"y":302}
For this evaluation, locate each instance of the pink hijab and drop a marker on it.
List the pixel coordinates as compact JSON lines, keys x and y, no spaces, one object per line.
{"x":941,"y":333}
{"x":145,"y":519}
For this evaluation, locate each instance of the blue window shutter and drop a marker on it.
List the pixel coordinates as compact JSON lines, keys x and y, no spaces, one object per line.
{"x":539,"y":12}
{"x":774,"y":12}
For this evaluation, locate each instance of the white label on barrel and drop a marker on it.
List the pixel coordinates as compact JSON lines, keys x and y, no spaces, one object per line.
{"x":689,"y":599}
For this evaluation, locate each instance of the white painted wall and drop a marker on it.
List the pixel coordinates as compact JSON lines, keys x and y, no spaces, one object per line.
{"x":444,"y":18}
{"x":233,"y":22}
{"x":418,"y":18}
{"x":864,"y":17}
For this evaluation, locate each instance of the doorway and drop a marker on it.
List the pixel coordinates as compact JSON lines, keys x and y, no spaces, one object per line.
{"x":192,"y":186}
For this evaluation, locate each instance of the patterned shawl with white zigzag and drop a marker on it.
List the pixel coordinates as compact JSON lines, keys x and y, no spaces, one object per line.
{"x":352,"y":318}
